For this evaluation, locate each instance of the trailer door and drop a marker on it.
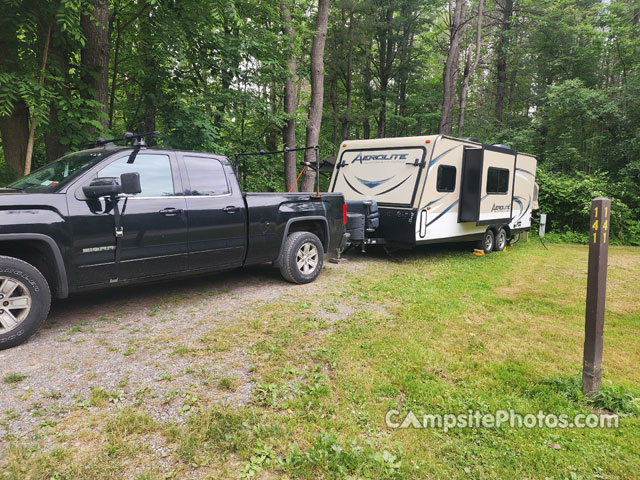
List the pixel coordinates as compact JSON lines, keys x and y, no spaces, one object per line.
{"x":498,"y":168}
{"x":389,"y":175}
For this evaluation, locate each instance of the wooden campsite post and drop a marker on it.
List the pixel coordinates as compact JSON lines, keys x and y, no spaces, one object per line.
{"x":596,"y":290}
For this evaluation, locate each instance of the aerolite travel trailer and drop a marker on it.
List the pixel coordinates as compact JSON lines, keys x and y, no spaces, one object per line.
{"x":417,"y":190}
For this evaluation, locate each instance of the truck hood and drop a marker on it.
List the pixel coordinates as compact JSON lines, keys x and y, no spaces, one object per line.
{"x":12,"y":199}
{"x":10,"y":191}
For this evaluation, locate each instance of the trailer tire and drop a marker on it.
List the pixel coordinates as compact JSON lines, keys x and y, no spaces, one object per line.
{"x":302,"y":257}
{"x":500,"y":240}
{"x":24,"y":290}
{"x":488,"y":241}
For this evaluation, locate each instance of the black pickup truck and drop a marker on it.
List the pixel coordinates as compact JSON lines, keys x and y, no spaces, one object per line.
{"x":120,"y":215}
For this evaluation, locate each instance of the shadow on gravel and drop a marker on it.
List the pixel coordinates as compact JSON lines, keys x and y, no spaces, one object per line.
{"x":406,"y":255}
{"x":105,"y":300}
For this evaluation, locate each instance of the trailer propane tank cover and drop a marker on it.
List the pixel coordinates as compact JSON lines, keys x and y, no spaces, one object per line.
{"x":543,"y":224}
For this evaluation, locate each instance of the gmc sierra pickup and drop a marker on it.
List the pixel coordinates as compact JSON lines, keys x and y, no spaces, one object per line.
{"x":121,"y":215}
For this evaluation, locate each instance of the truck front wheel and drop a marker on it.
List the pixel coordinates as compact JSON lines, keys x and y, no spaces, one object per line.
{"x":24,"y":301}
{"x":302,"y":257}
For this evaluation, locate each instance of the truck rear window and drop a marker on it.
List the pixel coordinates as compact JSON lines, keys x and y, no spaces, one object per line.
{"x":206,"y":176}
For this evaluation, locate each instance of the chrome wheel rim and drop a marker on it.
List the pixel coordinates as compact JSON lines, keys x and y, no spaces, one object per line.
{"x":488,"y":243}
{"x":307,"y":258}
{"x":502,"y":240}
{"x":15,"y":303}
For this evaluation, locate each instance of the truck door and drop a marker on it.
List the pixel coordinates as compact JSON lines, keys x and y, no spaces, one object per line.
{"x":216,"y":214}
{"x":154,"y":224}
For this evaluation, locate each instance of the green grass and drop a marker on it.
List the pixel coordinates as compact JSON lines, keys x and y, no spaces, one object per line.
{"x":11,"y":378}
{"x":444,"y":332}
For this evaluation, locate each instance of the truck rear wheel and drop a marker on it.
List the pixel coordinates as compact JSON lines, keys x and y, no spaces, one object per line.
{"x":24,"y":301}
{"x":302,"y":257}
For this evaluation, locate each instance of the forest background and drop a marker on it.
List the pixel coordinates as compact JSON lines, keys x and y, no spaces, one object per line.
{"x":558,"y":79}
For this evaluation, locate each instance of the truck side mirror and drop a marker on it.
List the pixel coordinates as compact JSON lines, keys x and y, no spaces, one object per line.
{"x":102,"y":187}
{"x":130,"y":183}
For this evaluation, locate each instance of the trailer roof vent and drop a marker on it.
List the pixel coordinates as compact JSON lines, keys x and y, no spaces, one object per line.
{"x":502,"y":145}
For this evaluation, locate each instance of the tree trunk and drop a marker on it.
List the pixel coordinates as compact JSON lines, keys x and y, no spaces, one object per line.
{"x":95,"y":55}
{"x":451,"y":68}
{"x":14,"y":129}
{"x":501,"y":59}
{"x":348,"y":81}
{"x":469,"y":70}
{"x":333,"y":98}
{"x":368,"y":99}
{"x":317,"y":91}
{"x":58,"y":62}
{"x":34,"y":118}
{"x":290,"y":100}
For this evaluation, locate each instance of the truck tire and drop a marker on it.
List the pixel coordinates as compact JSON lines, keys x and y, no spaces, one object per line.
{"x":487,"y":242}
{"x":25,"y":299}
{"x":302,"y":257}
{"x":500,"y":240}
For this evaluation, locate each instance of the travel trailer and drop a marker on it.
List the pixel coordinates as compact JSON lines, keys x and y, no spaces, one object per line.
{"x":431,"y":189}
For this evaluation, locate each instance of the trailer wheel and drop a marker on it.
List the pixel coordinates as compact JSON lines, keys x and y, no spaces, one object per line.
{"x":24,"y":301}
{"x":500,"y":240}
{"x":488,"y":241}
{"x":302,"y":257}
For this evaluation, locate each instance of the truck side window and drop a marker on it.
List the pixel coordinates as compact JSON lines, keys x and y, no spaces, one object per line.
{"x":446,"y":178}
{"x":206,"y":176}
{"x":497,"y":180}
{"x":156,"y":179}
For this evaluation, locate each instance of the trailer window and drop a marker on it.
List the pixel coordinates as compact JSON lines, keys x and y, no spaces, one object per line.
{"x":446,"y":178}
{"x":497,"y":180}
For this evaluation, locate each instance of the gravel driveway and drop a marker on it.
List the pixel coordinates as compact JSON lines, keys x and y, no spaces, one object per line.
{"x":126,"y":346}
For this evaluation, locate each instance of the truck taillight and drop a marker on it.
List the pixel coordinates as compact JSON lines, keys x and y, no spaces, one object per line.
{"x":344,"y":213}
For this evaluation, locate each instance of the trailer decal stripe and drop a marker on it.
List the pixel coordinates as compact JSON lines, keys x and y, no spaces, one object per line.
{"x":517,"y":200}
{"x":372,"y":183}
{"x":525,"y":171}
{"x":443,"y":212}
{"x":435,"y":201}
{"x":352,"y":187}
{"x":440,"y":157}
{"x":525,"y":210}
{"x":393,"y":188}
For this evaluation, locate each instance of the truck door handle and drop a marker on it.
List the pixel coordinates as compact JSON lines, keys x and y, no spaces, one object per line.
{"x":231,"y":209}
{"x":170,"y":211}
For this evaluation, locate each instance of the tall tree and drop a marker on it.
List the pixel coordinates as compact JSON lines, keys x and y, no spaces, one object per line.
{"x":469,"y":70}
{"x":317,"y":91}
{"x":14,"y":115}
{"x":95,"y":55}
{"x":501,"y":58}
{"x":290,"y":98}
{"x":35,"y":119}
{"x":348,"y":78}
{"x":450,"y":73}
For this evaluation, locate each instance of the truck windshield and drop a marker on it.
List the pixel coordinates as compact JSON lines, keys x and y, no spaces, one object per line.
{"x":54,"y":176}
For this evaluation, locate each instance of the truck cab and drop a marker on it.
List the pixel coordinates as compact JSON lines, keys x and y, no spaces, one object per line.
{"x":113,"y":215}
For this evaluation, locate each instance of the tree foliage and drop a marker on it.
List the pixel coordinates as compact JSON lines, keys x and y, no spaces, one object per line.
{"x":556,"y":78}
